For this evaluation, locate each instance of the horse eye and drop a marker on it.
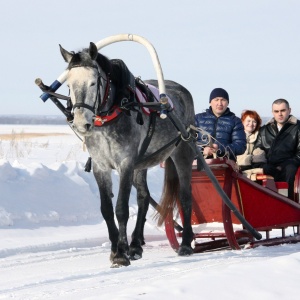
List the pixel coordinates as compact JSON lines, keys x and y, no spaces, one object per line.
{"x":93,"y":83}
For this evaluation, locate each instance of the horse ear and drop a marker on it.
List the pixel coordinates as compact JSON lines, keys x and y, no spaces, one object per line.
{"x":93,"y":51}
{"x":65,"y":54}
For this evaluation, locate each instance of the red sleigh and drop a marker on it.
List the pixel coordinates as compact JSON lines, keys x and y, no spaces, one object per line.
{"x":261,"y":202}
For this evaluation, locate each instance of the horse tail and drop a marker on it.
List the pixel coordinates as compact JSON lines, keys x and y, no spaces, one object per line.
{"x":170,"y":191}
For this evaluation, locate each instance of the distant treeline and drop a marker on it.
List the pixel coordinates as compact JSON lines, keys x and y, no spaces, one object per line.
{"x":48,"y":120}
{"x":32,"y":120}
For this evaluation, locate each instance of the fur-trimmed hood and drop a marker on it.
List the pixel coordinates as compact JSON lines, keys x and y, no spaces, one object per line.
{"x":291,"y":119}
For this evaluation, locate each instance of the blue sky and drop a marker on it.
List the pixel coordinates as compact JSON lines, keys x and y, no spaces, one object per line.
{"x":250,"y":48}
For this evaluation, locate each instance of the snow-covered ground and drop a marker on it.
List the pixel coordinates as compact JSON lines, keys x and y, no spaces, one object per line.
{"x":54,"y":242}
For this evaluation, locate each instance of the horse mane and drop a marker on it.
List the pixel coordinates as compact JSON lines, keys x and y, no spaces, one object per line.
{"x":116,"y":70}
{"x":122,"y":78}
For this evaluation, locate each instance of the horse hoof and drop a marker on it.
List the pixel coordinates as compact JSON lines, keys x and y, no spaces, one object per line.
{"x":120,"y":261}
{"x":185,"y":251}
{"x":112,"y":255}
{"x":135,"y":253}
{"x":135,"y":257}
{"x":116,"y":266}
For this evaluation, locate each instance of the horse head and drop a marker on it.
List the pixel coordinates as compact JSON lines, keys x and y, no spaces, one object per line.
{"x":85,"y":81}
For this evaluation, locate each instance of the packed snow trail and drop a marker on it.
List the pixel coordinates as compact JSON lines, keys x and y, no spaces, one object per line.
{"x":80,"y":269}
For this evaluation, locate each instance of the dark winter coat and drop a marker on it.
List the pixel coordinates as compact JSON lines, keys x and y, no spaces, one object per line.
{"x":280,"y":146}
{"x":227,"y":129}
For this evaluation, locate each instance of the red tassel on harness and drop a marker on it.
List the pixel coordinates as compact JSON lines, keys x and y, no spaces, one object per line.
{"x":100,"y":121}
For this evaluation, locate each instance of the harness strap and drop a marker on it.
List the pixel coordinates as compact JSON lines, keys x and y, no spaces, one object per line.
{"x":82,"y":104}
{"x":176,"y":141}
{"x":105,"y":96}
{"x":148,"y":138}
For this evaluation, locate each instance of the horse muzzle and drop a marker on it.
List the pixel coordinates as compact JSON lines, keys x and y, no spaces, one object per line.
{"x":83,"y":123}
{"x":84,"y":129}
{"x":83,"y":126}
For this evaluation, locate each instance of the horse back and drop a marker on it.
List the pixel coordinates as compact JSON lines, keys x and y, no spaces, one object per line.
{"x":181,"y":98}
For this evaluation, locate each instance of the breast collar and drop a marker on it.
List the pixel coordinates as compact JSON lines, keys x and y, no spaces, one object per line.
{"x":105,"y":120}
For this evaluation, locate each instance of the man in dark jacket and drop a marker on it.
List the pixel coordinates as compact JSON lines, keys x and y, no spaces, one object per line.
{"x":280,"y":139}
{"x":225,"y":128}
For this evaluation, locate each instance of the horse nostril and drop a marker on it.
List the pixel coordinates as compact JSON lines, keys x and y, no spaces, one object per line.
{"x":88,"y":127}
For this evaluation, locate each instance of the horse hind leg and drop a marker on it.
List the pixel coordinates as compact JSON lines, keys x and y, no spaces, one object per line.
{"x":187,"y":233}
{"x":183,"y":160}
{"x":143,"y":198}
{"x":177,"y":188}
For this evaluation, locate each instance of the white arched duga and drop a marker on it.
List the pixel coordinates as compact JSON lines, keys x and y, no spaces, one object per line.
{"x":114,"y":39}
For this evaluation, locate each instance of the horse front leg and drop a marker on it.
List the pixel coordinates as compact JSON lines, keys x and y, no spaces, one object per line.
{"x":105,"y":188}
{"x":122,"y":213}
{"x":143,"y":199}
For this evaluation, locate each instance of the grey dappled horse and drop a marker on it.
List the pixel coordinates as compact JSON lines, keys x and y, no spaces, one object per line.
{"x":100,"y":87}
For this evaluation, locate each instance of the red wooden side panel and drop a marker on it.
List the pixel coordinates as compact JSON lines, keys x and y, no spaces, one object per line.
{"x":207,"y":204}
{"x":264,"y":208}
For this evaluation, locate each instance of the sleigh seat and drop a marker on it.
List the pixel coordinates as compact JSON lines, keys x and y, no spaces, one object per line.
{"x":279,"y":187}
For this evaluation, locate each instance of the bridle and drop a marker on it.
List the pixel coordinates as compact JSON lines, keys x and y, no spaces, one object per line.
{"x":96,"y":109}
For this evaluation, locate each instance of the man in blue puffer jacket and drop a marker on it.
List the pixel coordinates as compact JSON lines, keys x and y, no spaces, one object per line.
{"x":223,"y":125}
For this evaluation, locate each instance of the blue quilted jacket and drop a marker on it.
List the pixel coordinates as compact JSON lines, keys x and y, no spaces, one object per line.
{"x":227,"y":129}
